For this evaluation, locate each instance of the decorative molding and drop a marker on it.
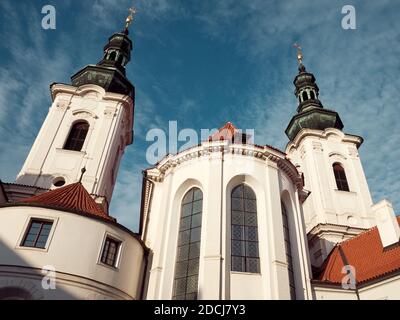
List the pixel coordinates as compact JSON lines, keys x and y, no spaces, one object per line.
{"x":357,"y":140}
{"x":302,"y":152}
{"x":158,"y":173}
{"x":353,"y":152}
{"x":61,"y":105}
{"x":109,"y":112}
{"x":84,"y":114}
{"x":336,"y":154}
{"x":317,"y":146}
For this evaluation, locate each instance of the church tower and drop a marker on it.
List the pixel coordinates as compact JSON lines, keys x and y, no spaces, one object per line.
{"x":339,"y":205}
{"x":89,"y":124}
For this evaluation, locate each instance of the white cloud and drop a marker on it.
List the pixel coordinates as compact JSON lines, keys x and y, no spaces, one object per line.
{"x":355,"y":70}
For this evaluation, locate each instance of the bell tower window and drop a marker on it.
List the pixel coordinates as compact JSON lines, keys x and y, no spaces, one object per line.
{"x":77,"y":136}
{"x":305,"y":97}
{"x":340,"y":177}
{"x":312,"y":95}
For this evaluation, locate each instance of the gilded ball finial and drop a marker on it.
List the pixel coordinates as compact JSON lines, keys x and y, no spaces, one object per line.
{"x":299,"y":53}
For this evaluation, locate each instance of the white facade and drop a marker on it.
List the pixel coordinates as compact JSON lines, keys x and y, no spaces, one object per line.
{"x":110,"y":119}
{"x":331,"y":215}
{"x":73,"y":249}
{"x":383,"y":289}
{"x":216,"y":168}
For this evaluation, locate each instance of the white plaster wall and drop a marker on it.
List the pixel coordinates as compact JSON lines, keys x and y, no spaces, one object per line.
{"x":110,"y":118}
{"x":74,"y":249}
{"x":383,"y":290}
{"x":387,"y":289}
{"x":216,"y":177}
{"x":315,"y":152}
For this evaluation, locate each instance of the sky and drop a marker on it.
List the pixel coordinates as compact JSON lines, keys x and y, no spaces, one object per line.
{"x":203,"y":63}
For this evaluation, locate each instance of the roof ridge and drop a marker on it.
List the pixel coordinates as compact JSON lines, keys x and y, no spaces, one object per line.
{"x":72,"y":197}
{"x":365,"y":253}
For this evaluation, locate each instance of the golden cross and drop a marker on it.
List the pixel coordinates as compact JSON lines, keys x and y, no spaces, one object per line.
{"x":299,"y":53}
{"x":129,"y":19}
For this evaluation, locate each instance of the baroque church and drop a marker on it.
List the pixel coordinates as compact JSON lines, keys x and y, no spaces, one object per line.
{"x":226,"y":219}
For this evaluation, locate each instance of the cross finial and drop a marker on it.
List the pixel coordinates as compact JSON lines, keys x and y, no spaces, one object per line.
{"x":129,"y":19}
{"x":299,"y":53}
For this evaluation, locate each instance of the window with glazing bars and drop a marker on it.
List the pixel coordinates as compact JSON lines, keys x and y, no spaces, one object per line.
{"x":244,"y":230}
{"x":37,"y":234}
{"x":77,"y":136}
{"x":110,"y":252}
{"x":340,"y":177}
{"x":188,"y":251}
{"x":289,"y":260}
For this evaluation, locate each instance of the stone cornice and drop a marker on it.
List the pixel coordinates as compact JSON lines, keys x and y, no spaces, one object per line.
{"x":325,"y":228}
{"x":102,"y":95}
{"x":357,"y":140}
{"x":262,"y":153}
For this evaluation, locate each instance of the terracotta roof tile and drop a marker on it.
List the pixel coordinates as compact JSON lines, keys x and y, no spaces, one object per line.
{"x":72,"y":197}
{"x":366,"y":254}
{"x":227,"y":132}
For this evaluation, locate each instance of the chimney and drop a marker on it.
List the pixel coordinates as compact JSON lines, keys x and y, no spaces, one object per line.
{"x":387,"y":224}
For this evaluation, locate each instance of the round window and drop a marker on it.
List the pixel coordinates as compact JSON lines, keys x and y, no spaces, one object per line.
{"x":59,"y":182}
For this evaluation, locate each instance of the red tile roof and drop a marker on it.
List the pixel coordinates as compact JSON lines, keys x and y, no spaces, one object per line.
{"x":229,"y":131}
{"x":366,"y":254}
{"x":73,"y":197}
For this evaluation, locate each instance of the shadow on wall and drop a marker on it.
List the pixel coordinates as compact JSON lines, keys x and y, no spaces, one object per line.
{"x":45,"y":181}
{"x":21,"y":281}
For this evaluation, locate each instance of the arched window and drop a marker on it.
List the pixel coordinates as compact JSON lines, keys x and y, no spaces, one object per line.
{"x":77,"y":136}
{"x":188,"y":253}
{"x":312,"y":95}
{"x":289,"y":260}
{"x":113,"y":56}
{"x":305,"y":97}
{"x":244,"y":230}
{"x":340,"y":177}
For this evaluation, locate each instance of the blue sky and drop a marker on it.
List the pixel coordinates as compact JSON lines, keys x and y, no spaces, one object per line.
{"x":203,"y":63}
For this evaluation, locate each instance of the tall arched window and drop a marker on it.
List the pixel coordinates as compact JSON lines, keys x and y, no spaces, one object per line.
{"x":312,"y":95}
{"x":305,"y":97}
{"x":77,"y":136}
{"x":289,"y":260}
{"x":340,"y":177}
{"x":244,"y":230}
{"x":188,"y":253}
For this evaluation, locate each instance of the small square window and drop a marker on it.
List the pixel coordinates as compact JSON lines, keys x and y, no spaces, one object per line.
{"x":37,"y":234}
{"x":110,"y":252}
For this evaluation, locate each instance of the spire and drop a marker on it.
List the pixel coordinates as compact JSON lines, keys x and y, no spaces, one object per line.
{"x":83,"y":170}
{"x":310,"y":111}
{"x":109,"y":72}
